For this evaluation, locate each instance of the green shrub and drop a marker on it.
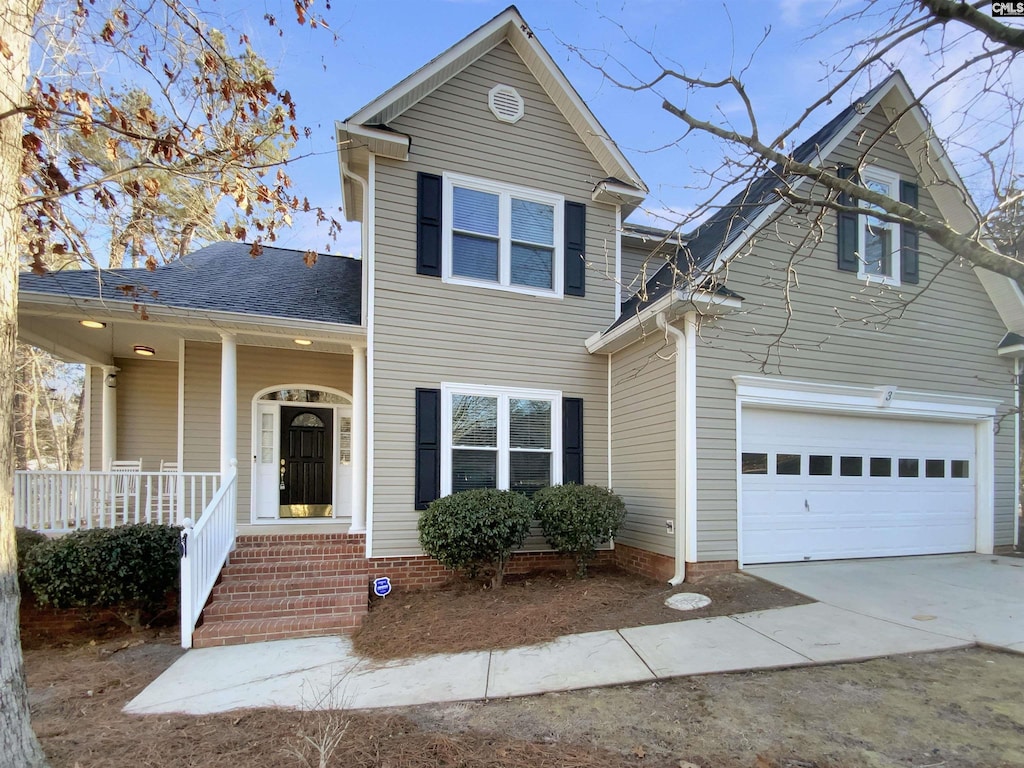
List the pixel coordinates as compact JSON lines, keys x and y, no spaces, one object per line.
{"x":25,"y":541}
{"x":476,"y":530}
{"x":129,"y":569}
{"x":577,"y":518}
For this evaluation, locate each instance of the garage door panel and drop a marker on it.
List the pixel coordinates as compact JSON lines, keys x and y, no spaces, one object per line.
{"x":849,"y":512}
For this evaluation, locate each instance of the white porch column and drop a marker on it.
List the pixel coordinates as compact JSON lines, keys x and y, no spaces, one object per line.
{"x":358,"y":439}
{"x":109,"y":430}
{"x":228,"y":402}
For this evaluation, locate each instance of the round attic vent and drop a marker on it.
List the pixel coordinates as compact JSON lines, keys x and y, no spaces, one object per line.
{"x":506,"y":103}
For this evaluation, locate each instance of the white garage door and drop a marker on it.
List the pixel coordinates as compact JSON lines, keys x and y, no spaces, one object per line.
{"x":820,"y":486}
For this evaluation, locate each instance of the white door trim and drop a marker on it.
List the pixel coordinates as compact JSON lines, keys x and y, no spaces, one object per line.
{"x":882,"y":401}
{"x":341,"y":500}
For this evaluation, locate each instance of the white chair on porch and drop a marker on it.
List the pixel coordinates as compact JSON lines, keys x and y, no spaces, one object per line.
{"x":125,"y":486}
{"x":168,"y":491}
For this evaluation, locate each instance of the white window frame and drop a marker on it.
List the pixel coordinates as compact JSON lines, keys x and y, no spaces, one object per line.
{"x":871,"y":173}
{"x":503,"y":395}
{"x":505,"y":194}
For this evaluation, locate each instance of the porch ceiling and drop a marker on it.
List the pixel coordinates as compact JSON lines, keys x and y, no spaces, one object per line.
{"x":55,"y":327}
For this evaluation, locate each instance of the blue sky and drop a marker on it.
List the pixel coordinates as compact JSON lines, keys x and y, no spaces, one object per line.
{"x":381,"y":41}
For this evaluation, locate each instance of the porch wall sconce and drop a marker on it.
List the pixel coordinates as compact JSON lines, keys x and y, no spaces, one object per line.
{"x":144,"y":350}
{"x":303,"y":342}
{"x":95,"y":324}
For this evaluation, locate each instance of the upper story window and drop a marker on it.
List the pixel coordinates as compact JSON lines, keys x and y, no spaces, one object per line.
{"x":502,"y":236}
{"x":878,"y":240}
{"x":495,"y":437}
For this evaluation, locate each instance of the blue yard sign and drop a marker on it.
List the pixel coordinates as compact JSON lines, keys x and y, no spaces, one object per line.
{"x":382,"y":586}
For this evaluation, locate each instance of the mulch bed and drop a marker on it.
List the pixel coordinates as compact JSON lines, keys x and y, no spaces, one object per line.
{"x":541,"y":607}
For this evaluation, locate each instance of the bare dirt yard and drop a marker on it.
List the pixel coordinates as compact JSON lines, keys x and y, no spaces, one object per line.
{"x":951,"y":710}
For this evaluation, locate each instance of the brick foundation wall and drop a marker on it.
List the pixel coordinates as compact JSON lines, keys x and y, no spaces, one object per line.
{"x":422,"y":572}
{"x":644,"y":563}
{"x":662,"y":567}
{"x":698,"y":571}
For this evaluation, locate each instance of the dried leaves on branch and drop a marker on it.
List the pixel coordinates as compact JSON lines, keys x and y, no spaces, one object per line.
{"x":147,"y":122}
{"x":970,"y":59}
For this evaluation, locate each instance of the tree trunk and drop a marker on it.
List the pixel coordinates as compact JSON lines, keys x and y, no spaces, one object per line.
{"x":18,"y":744}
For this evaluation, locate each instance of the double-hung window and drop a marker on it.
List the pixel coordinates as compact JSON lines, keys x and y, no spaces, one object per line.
{"x":502,"y":236}
{"x":878,"y":240}
{"x":494,"y":437}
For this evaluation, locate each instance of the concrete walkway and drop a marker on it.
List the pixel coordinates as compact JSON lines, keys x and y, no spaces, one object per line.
{"x":324,"y":672}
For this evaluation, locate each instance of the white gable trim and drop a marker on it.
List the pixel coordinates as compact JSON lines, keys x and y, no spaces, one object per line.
{"x":507,"y":25}
{"x":766,"y":215}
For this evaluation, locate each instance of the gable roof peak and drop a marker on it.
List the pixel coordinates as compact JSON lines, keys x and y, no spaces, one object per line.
{"x":511,"y":26}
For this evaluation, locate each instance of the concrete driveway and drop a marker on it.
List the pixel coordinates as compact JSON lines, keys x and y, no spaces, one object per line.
{"x":971,"y":597}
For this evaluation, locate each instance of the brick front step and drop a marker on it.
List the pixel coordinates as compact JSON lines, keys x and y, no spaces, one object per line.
{"x":243,"y":555}
{"x":257,"y":630}
{"x":266,"y":586}
{"x":314,"y":568}
{"x":296,"y":585}
{"x":274,"y":607}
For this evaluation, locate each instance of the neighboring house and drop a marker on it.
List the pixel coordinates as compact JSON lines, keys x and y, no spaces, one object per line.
{"x":750,"y":407}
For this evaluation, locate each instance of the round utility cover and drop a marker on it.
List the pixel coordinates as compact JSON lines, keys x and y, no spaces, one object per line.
{"x":688,"y":601}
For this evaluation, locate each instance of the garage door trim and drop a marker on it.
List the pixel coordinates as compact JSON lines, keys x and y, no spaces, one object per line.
{"x":880,"y":401}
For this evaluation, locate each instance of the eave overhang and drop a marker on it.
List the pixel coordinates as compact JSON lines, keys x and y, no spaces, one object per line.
{"x":705,"y":303}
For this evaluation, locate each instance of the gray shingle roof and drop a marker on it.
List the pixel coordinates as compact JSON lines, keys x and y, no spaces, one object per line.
{"x":223,"y":277}
{"x":705,"y":244}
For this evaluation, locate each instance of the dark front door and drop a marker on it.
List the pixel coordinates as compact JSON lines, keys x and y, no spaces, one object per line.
{"x":306,"y":477}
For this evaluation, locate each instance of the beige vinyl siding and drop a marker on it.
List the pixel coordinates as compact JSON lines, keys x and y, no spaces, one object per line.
{"x":258,"y":369}
{"x":427,"y":332}
{"x":643,"y":442}
{"x":147,"y":411}
{"x":95,"y":416}
{"x":640,"y":261}
{"x":941,"y":339}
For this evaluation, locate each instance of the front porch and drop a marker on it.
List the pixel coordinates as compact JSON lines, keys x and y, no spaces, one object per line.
{"x":233,"y":423}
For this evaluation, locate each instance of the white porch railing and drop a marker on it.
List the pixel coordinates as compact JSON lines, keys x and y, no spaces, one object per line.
{"x":59,"y":502}
{"x":205,"y":545}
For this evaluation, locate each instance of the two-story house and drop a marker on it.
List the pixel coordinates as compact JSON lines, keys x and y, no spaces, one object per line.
{"x":847,"y":396}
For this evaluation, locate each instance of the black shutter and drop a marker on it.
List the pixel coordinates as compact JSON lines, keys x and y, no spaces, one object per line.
{"x":909,"y":239}
{"x":572,"y":440}
{"x":428,"y":224}
{"x":575,"y":249}
{"x":428,"y":446}
{"x":846,"y":226}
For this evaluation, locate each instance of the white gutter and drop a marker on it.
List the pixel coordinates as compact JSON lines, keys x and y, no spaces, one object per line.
{"x":34,"y":303}
{"x":685,"y":442}
{"x":631,"y":330}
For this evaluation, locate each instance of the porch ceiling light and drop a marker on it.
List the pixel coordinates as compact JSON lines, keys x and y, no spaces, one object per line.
{"x":92,"y":324}
{"x":145,"y":351}
{"x":303,"y":342}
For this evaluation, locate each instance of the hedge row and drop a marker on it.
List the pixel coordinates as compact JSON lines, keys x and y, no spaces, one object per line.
{"x":130,"y":569}
{"x":476,"y":531}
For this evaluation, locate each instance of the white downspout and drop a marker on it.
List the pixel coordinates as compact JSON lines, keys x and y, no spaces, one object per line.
{"x":363,"y":492}
{"x":1016,"y":452}
{"x":358,"y":490}
{"x":681,"y":424}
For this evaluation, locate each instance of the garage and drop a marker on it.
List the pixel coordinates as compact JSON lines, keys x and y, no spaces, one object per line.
{"x":821,"y":486}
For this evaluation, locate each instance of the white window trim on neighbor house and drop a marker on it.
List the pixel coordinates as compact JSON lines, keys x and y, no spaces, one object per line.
{"x":503,"y":395}
{"x":505,"y":193}
{"x":892,"y":274}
